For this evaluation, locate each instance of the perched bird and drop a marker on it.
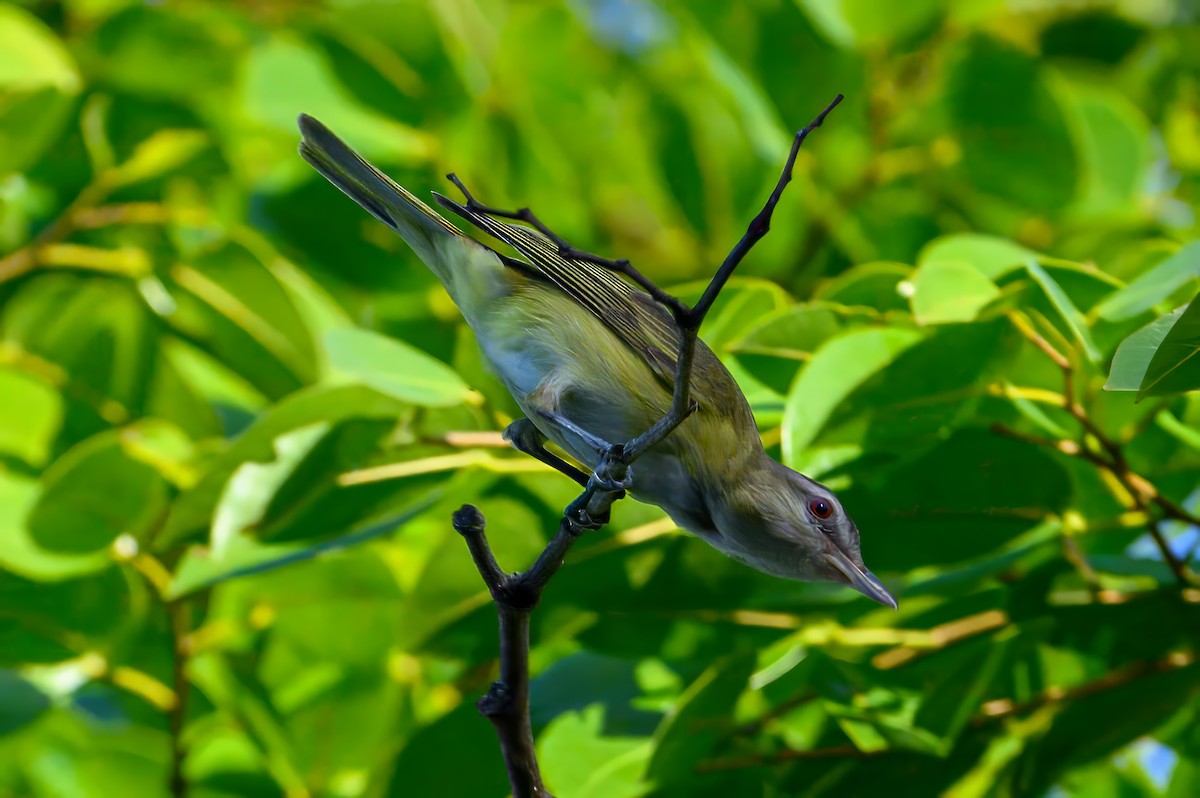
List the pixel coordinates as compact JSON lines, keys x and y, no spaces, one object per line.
{"x":589,"y":356}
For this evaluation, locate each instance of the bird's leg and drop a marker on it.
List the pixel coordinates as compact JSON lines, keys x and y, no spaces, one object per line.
{"x":528,"y":439}
{"x":565,"y":250}
{"x":612,"y":475}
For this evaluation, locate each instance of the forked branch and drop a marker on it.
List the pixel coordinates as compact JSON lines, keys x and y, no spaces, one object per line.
{"x":1107,"y":454}
{"x":515,"y":595}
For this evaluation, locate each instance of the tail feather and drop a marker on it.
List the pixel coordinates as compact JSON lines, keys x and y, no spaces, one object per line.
{"x":441,"y":245}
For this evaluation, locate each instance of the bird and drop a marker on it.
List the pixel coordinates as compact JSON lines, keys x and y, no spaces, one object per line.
{"x":589,"y":358}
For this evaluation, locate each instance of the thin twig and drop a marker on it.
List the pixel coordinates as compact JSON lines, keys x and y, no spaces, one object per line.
{"x":25,"y":259}
{"x":506,"y":703}
{"x":789,"y":755}
{"x":990,"y":712}
{"x":1107,"y":454}
{"x":180,"y":618}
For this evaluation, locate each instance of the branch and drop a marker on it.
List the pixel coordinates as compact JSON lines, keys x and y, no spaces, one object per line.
{"x":181,"y":620}
{"x":506,"y":703}
{"x":27,"y":258}
{"x":1110,"y":457}
{"x":990,"y":712}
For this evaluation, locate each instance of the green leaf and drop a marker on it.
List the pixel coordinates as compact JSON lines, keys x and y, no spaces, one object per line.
{"x":97,"y":330}
{"x":701,"y":717}
{"x":1083,"y":731}
{"x":875,"y":285}
{"x":395,"y":368}
{"x":202,"y":568}
{"x":866,"y":23}
{"x":163,"y":152}
{"x":579,"y":759}
{"x":946,"y":291}
{"x":1114,"y":149}
{"x":250,"y":488}
{"x":1066,"y":308}
{"x":747,"y":303}
{"x":40,"y":409}
{"x":421,"y":766}
{"x":38,"y":82}
{"x":235,"y":690}
{"x":49,"y":622}
{"x":1175,"y":367}
{"x":284,"y":76}
{"x":94,"y":493}
{"x":1133,"y":356}
{"x":913,"y":513}
{"x":1015,"y":141}
{"x":1156,"y":285}
{"x":20,"y":554}
{"x":229,"y":302}
{"x":990,"y":255}
{"x":838,"y":367}
{"x":20,"y":702}
{"x":191,"y":512}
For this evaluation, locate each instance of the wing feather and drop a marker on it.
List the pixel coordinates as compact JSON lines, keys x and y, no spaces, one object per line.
{"x":638,"y":320}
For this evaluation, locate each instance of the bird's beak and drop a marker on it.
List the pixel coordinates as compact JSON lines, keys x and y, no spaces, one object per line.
{"x":861,"y":579}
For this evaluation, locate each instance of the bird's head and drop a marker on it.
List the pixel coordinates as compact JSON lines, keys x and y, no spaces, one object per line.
{"x":785,"y":524}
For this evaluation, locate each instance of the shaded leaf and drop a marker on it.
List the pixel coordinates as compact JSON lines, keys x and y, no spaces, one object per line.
{"x":94,"y":493}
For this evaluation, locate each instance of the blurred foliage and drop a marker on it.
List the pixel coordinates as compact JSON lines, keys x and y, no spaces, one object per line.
{"x":235,"y":412}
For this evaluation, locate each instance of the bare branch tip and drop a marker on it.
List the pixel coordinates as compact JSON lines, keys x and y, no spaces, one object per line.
{"x":468,"y":520}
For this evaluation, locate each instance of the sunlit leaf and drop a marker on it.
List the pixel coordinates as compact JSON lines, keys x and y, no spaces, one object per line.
{"x":1066,"y":308}
{"x":163,"y":152}
{"x":950,"y":291}
{"x":1133,"y":356}
{"x":1156,"y":285}
{"x":394,"y":368}
{"x":1175,"y":366}
{"x":839,"y":366}
{"x":579,"y":759}
{"x":991,"y":255}
{"x":38,"y":80}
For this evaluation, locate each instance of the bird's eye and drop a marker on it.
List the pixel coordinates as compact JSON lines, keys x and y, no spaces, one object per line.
{"x":820,"y":508}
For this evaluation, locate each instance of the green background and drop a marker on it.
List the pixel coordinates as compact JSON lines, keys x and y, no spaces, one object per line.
{"x":236,"y":413}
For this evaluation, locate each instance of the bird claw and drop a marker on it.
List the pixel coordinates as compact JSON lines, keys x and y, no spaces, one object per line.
{"x":607,"y":482}
{"x":523,"y":435}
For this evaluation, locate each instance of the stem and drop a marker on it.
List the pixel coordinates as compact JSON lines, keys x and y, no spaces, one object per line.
{"x":506,"y":703}
{"x":1110,"y":457}
{"x":181,"y":620}
{"x":25,"y":259}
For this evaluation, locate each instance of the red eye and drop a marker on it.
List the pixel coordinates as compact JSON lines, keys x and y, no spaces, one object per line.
{"x":820,"y":508}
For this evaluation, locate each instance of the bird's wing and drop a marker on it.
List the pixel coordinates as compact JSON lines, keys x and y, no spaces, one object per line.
{"x":638,"y":320}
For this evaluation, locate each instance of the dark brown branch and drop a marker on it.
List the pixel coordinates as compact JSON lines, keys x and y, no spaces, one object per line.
{"x":1109,"y":457}
{"x":996,"y":710}
{"x":506,"y":703}
{"x":760,"y":224}
{"x":789,"y":755}
{"x":991,"y":711}
{"x":689,"y":324}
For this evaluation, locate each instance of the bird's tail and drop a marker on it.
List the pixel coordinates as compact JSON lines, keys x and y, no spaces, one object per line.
{"x":443,"y":248}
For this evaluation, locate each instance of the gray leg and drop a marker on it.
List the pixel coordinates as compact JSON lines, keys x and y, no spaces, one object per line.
{"x":527,"y":438}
